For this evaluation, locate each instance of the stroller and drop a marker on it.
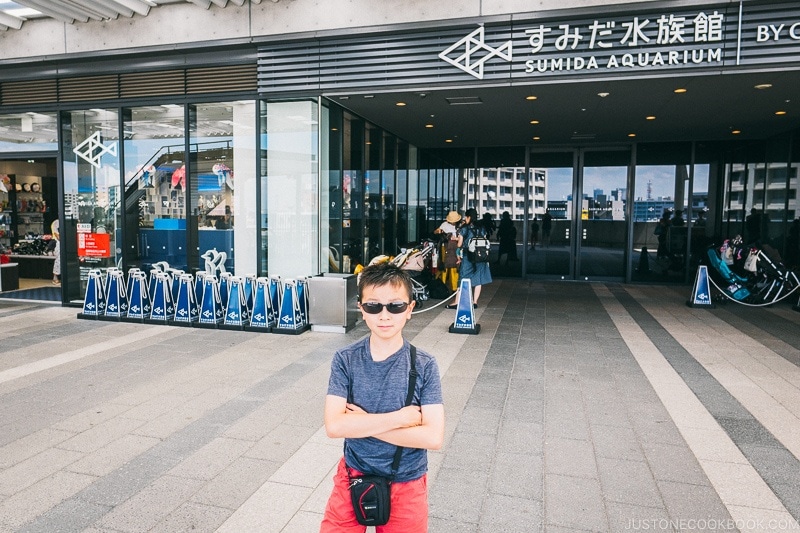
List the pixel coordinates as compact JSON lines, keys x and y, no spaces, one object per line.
{"x":417,"y":262}
{"x":753,"y":275}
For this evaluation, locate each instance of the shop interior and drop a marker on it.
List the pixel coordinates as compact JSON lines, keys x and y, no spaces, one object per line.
{"x":29,"y":201}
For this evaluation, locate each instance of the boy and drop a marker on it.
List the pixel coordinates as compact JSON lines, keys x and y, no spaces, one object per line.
{"x":375,"y":370}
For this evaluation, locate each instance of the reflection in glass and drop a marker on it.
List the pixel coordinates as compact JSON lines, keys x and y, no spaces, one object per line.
{"x":29,"y":132}
{"x":550,"y":253}
{"x":92,"y":213}
{"x":155,"y":186}
{"x":223,"y":183}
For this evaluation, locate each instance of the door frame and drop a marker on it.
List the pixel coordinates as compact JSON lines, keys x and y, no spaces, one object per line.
{"x":575,"y":224}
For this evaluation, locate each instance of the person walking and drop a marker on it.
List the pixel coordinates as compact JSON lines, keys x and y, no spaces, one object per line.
{"x":547,"y":227}
{"x":507,"y":235}
{"x":448,"y":232}
{"x":534,"y":233}
{"x":477,"y":273}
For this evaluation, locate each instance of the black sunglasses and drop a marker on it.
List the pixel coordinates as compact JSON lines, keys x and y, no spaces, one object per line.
{"x":373,"y":308}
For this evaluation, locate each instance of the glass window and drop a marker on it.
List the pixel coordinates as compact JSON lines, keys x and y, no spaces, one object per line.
{"x":29,"y":132}
{"x":92,"y":214}
{"x":290,"y":193}
{"x":155,"y":186}
{"x":222,"y":183}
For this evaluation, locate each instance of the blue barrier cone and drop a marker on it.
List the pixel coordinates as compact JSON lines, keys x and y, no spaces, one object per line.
{"x":211,"y":311}
{"x":465,"y":314}
{"x":290,"y":320}
{"x":151,"y":284}
{"x":236,"y":314}
{"x":163,"y":308}
{"x":225,"y":288}
{"x":275,"y":297}
{"x":186,"y":312}
{"x":116,"y":295}
{"x":249,"y":290}
{"x":198,"y":287}
{"x":138,"y":298}
{"x":129,"y":282}
{"x":302,"y":299}
{"x":94,"y":300}
{"x":262,"y":318}
{"x":175,"y":279}
{"x":701,"y":290}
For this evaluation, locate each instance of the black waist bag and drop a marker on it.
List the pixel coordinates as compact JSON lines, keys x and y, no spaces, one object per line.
{"x":372,"y":495}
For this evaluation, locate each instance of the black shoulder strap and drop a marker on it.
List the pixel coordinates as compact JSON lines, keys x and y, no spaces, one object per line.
{"x":412,"y":384}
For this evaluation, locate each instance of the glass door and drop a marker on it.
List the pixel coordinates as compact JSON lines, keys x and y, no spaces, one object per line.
{"x":551,"y":223}
{"x":580,"y":230}
{"x":601,"y":216}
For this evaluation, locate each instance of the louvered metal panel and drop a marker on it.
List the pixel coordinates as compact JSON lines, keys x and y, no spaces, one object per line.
{"x":143,"y":84}
{"x":88,"y":88}
{"x":29,"y":92}
{"x":221,"y":79}
{"x":772,"y":51}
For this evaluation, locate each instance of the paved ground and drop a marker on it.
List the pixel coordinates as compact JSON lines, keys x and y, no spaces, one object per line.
{"x":579,"y":407}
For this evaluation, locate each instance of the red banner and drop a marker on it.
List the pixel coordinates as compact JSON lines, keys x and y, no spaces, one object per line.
{"x":94,"y":245}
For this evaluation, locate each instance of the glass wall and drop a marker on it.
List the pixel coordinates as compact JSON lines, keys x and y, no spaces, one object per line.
{"x":290,"y":187}
{"x":93,"y":215}
{"x":155,"y":186}
{"x":29,"y":132}
{"x":223,"y":185}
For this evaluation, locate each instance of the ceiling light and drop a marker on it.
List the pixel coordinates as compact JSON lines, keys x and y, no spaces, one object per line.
{"x":780,"y":112}
{"x":531,"y":97}
{"x":368,"y":142}
{"x":603,"y":95}
{"x":334,"y":129}
{"x":428,"y":125}
{"x":369,"y":96}
{"x":534,"y":121}
{"x":679,"y":90}
{"x":631,"y":135}
{"x":537,"y":138}
{"x":763,"y":86}
{"x":736,"y":132}
{"x":650,"y":117}
{"x":448,"y":140}
{"x":344,"y":98}
{"x":400,"y":104}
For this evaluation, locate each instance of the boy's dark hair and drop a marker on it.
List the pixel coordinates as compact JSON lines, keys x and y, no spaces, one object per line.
{"x":384,"y":274}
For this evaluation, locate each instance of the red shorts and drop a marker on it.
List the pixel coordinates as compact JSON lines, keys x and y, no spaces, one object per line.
{"x":409,"y":507}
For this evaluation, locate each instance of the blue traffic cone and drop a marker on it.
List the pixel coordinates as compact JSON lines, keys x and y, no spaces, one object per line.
{"x":701,"y":290}
{"x":138,"y":298}
{"x":129,"y":282}
{"x":211,"y":311}
{"x":163,"y":308}
{"x":465,"y":314}
{"x":275,"y":297}
{"x":225,"y":288}
{"x":250,"y":290}
{"x":302,"y":299}
{"x":290,"y":319}
{"x":175,"y":279}
{"x":198,"y":286}
{"x":186,"y":311}
{"x":116,"y":295}
{"x":262,"y":318}
{"x":236,"y":315}
{"x":94,"y":300}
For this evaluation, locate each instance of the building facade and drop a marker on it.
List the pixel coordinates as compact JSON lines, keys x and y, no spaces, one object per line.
{"x":299,"y":139}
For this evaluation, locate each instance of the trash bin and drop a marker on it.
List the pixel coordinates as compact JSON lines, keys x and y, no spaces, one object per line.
{"x":332,"y":302}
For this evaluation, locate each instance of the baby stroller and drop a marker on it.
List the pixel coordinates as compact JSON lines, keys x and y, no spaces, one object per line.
{"x":756,"y":275}
{"x":416,"y":262}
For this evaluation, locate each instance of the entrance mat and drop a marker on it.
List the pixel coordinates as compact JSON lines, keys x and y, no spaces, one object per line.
{"x":46,"y":294}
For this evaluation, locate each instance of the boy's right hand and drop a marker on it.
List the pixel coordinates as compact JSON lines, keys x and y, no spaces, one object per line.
{"x":410,"y":416}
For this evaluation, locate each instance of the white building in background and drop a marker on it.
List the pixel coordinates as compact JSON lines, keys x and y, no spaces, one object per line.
{"x":496,"y":190}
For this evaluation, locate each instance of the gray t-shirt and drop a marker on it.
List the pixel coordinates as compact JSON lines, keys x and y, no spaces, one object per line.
{"x":381,"y":387}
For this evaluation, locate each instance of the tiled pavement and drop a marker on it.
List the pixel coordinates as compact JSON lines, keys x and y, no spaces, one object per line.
{"x":579,"y":407}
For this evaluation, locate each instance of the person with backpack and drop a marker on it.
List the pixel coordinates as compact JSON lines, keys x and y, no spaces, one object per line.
{"x":474,"y":266}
